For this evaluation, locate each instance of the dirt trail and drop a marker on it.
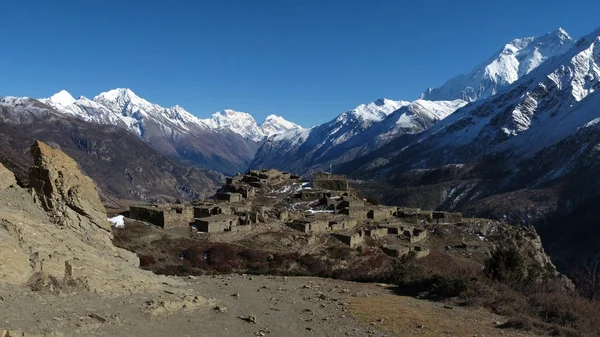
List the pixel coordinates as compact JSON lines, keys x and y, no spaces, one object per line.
{"x":291,"y":306}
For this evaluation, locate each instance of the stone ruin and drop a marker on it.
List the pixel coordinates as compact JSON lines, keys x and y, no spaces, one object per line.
{"x":403,"y":250}
{"x":330,"y":182}
{"x":164,"y":216}
{"x":343,"y":214}
{"x":217,"y":223}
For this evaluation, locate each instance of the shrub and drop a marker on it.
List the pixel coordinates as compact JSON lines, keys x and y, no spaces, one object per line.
{"x":340,"y":252}
{"x":252,"y":255}
{"x":220,"y":253}
{"x":147,"y":260}
{"x":313,"y":265}
{"x":506,"y":265}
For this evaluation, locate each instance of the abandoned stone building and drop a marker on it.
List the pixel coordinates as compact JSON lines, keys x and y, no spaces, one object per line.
{"x":415,"y":235}
{"x":414,"y":216}
{"x":229,"y":197}
{"x":202,"y":211}
{"x":377,"y":213}
{"x":330,"y":182}
{"x":341,"y":222}
{"x":306,"y":195}
{"x":216,"y":223}
{"x":351,"y":239}
{"x":271,"y":177}
{"x":403,"y":212}
{"x":420,"y":251}
{"x":375,"y":232}
{"x":164,"y":216}
{"x":446,"y":217}
{"x":396,"y":250}
{"x":359,"y":212}
{"x":403,"y":250}
{"x":381,"y":213}
{"x":308,"y":226}
{"x":397,"y":228}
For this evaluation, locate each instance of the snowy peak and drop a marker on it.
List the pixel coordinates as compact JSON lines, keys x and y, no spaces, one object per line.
{"x":62,"y":98}
{"x":239,"y":122}
{"x":514,"y":60}
{"x":374,"y":111}
{"x":276,"y":125}
{"x":245,"y":125}
{"x":125,"y":100}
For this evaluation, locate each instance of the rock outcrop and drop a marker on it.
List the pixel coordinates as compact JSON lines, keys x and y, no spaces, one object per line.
{"x":69,"y":196}
{"x":60,"y":236}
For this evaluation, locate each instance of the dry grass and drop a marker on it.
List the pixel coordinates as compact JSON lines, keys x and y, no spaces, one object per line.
{"x":407,"y":316}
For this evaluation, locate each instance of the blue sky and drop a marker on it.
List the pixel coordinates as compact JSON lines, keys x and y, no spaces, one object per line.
{"x":307,"y":60}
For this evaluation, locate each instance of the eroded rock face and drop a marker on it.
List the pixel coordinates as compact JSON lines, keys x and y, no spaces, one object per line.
{"x":70,"y":197}
{"x":7,"y":178}
{"x":61,"y":235}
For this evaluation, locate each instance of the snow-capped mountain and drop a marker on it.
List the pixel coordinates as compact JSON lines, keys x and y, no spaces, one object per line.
{"x":276,"y":125}
{"x":245,"y":125}
{"x":370,"y":126}
{"x":123,"y":166}
{"x":516,"y":59}
{"x":350,"y":134}
{"x":124,"y":108}
{"x":528,"y":155}
{"x":413,"y":118}
{"x":172,"y":131}
{"x":226,"y":142}
{"x":536,"y":111}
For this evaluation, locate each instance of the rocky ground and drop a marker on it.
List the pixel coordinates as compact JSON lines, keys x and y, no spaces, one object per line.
{"x":241,"y":305}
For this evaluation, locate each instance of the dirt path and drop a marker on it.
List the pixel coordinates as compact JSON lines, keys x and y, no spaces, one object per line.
{"x":281,"y":306}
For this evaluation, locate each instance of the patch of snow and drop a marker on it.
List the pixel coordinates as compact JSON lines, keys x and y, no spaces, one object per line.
{"x":312,"y":211}
{"x":117,"y":221}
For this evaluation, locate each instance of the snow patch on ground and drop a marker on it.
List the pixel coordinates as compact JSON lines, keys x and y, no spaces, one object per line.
{"x":117,"y":221}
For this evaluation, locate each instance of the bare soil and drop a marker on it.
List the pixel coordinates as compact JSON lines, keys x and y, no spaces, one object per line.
{"x":281,"y":306}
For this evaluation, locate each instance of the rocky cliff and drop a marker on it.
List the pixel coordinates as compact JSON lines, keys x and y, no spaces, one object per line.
{"x":56,"y":234}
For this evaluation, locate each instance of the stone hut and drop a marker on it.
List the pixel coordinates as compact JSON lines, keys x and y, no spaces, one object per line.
{"x":342,"y":222}
{"x":203,"y":211}
{"x":350,"y":239}
{"x":420,"y":251}
{"x":415,"y":235}
{"x":397,"y":228}
{"x":357,"y":212}
{"x":164,"y":216}
{"x":229,"y":197}
{"x":247,"y":192}
{"x":376,"y":233}
{"x":396,"y":250}
{"x":381,"y":213}
{"x":216,"y":223}
{"x":307,"y":226}
{"x":446,"y":217}
{"x":306,"y":195}
{"x":331,"y":182}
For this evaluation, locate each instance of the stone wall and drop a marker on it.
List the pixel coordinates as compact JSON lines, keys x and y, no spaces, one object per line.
{"x":350,"y":239}
{"x":330,"y":182}
{"x":178,"y":216}
{"x":149,"y":214}
{"x":216,"y":223}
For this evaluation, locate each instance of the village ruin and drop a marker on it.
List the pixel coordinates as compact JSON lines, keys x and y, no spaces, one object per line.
{"x":327,"y":205}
